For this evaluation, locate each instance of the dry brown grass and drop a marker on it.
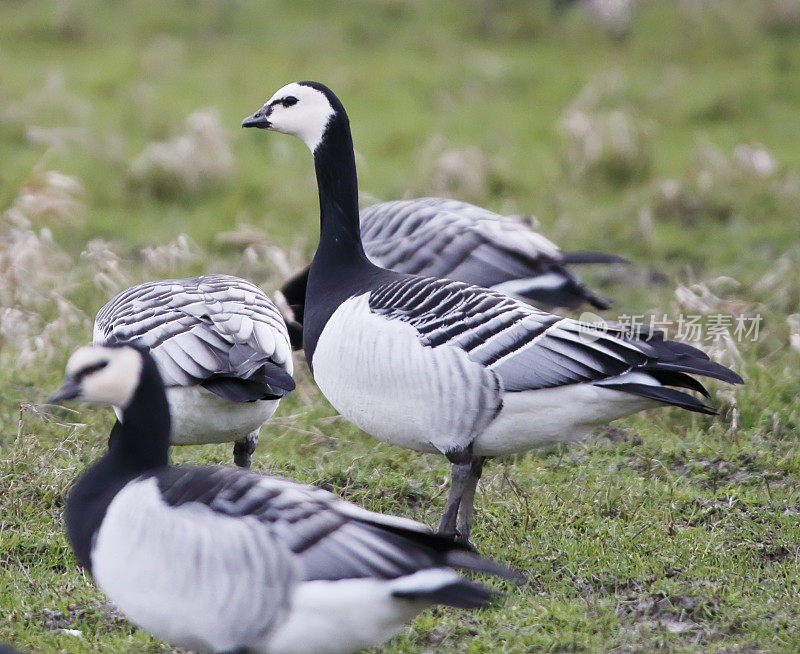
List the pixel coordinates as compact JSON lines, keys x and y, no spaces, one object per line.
{"x":191,"y":162}
{"x":35,"y":273}
{"x":605,"y":136}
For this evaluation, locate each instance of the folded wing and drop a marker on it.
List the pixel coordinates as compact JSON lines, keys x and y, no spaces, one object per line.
{"x":218,"y":331}
{"x":530,"y":349}
{"x":328,"y":537}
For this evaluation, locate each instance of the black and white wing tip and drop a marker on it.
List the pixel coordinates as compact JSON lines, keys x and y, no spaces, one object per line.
{"x":671,"y":363}
{"x":428,"y":561}
{"x":449,"y":552}
{"x":573,"y":293}
{"x":656,"y":368}
{"x":585,"y":257}
{"x":556,"y":288}
{"x":458,"y":593}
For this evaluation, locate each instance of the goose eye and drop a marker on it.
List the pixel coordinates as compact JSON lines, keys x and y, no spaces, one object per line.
{"x":88,"y":370}
{"x":289,"y":101}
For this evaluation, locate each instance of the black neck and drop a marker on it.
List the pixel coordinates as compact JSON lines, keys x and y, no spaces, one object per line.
{"x":142,"y":442}
{"x":340,"y":268}
{"x":335,"y":165}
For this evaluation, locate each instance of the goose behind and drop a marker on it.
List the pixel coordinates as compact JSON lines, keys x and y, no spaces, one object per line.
{"x":441,"y":237}
{"x":221,"y":346}
{"x":441,"y":366}
{"x":222,"y":559}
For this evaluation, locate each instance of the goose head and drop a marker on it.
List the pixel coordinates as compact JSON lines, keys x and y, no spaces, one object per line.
{"x":302,"y":109}
{"x":104,"y":375}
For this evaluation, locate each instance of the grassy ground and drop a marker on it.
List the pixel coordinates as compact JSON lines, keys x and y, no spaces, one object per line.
{"x":668,"y":530}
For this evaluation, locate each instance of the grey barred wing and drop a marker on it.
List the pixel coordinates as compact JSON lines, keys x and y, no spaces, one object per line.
{"x":445,"y":238}
{"x":326,"y":537}
{"x":531,"y":349}
{"x":219,"y":331}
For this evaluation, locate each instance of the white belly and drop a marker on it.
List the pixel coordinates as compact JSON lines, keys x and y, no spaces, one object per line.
{"x":336,"y":617}
{"x":379,"y":376}
{"x":550,"y":415}
{"x":199,"y":416}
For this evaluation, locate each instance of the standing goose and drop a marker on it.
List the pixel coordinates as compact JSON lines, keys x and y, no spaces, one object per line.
{"x":441,"y":366}
{"x":225,"y":560}
{"x":440,"y":237}
{"x":221,"y":346}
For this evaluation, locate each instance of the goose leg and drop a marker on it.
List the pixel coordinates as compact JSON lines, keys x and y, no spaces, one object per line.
{"x":459,"y":482}
{"x":244,"y":448}
{"x":468,"y":499}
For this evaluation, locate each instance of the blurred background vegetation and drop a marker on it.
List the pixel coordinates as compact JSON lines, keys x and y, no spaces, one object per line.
{"x":665,"y":131}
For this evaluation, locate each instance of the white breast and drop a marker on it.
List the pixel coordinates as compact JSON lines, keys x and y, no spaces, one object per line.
{"x":377,"y":374}
{"x":550,"y":415}
{"x":188,"y":575}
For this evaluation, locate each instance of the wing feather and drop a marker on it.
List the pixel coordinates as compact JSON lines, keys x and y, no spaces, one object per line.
{"x":439,"y":237}
{"x":211,"y":330}
{"x":530,"y":349}
{"x":324,"y":536}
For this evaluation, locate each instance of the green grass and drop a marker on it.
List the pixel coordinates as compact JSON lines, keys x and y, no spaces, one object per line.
{"x":667,"y":531}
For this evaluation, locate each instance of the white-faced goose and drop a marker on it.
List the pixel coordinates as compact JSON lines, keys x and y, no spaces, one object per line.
{"x":222,"y":348}
{"x":441,"y":366}
{"x":225,"y":560}
{"x":440,"y":237}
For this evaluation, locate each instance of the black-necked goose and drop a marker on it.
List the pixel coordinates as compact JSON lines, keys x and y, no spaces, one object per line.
{"x":225,"y":560}
{"x":440,"y":237}
{"x":442,"y":366}
{"x":222,"y":348}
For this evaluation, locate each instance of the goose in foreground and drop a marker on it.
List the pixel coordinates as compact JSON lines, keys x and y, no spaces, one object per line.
{"x":441,"y":366}
{"x":221,"y":346}
{"x":440,"y":237}
{"x":225,"y":560}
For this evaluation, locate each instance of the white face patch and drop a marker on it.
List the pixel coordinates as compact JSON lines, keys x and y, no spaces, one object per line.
{"x":307,"y":119}
{"x":113,"y":383}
